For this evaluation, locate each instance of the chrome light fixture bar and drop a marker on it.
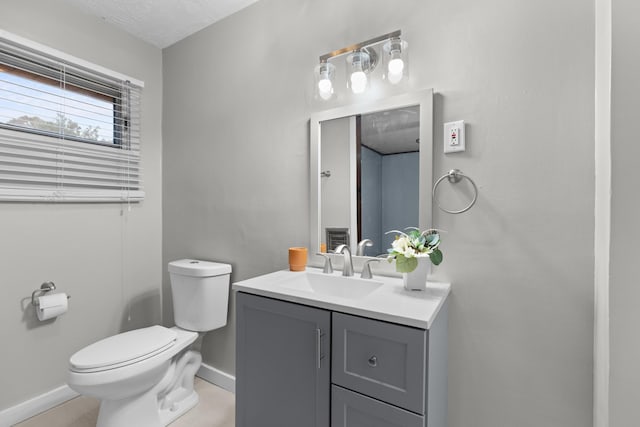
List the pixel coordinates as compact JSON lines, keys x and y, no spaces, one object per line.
{"x":361,"y":60}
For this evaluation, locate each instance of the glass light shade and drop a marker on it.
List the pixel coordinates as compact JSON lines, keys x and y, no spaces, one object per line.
{"x":325,"y":73}
{"x":358,"y":63}
{"x":396,"y":58}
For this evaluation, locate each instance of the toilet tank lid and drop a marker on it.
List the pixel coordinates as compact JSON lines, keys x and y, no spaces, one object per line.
{"x":197,"y":268}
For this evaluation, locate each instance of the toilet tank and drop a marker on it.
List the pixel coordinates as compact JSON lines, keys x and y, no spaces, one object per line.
{"x":200,"y":292}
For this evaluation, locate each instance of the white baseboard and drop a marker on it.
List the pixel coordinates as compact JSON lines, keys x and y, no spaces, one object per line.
{"x":35,"y":406}
{"x":217,"y":377}
{"x":55,"y":397}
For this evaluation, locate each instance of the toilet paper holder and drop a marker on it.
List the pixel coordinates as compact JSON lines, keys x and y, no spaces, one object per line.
{"x":44,"y":288}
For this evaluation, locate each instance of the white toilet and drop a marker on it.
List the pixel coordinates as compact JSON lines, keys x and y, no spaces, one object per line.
{"x":144,"y":377}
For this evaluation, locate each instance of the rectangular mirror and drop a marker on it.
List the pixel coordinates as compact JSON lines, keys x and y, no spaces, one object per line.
{"x":371,"y":171}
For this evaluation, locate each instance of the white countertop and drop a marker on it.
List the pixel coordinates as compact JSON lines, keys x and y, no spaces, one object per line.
{"x":389,"y":302}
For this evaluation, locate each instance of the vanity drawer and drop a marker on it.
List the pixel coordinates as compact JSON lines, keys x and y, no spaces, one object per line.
{"x":349,"y":409}
{"x":379,"y":359}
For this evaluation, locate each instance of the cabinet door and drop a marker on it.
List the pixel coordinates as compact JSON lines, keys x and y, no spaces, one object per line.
{"x":282,"y":364}
{"x":350,"y":409}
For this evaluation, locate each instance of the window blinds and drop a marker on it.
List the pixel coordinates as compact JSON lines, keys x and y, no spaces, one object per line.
{"x":67,"y":131}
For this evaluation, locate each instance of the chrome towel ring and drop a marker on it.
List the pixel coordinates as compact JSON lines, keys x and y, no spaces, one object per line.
{"x":455,"y":176}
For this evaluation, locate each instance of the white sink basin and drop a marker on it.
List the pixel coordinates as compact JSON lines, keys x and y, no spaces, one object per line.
{"x":331,"y":285}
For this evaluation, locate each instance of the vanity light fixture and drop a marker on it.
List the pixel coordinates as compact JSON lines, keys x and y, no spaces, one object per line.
{"x":361,"y":61}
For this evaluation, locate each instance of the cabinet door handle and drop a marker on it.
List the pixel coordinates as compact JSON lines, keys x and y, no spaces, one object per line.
{"x":318,"y":347}
{"x":373,"y":361}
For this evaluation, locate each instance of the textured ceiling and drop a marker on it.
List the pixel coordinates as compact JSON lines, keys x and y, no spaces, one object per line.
{"x":161,"y":22}
{"x":392,"y":131}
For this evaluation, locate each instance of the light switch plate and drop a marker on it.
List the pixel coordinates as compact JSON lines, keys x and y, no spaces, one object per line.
{"x":454,"y":137}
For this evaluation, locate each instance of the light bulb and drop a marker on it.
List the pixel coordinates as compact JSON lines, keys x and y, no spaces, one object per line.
{"x":358,"y":81}
{"x":396,"y":65}
{"x":324,"y":80}
{"x":325,"y":88}
{"x":359,"y":64}
{"x":395,"y":49}
{"x":394,"y":78}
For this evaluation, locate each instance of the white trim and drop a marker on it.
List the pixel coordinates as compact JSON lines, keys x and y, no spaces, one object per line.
{"x":217,"y":377}
{"x":68,"y":58}
{"x":51,"y":399}
{"x":35,"y":406}
{"x":602,"y":234}
{"x":353,"y":186}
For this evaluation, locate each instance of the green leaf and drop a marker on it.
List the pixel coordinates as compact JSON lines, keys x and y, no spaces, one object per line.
{"x":436,"y":256}
{"x":413,"y":234}
{"x":432,"y":239}
{"x":405,"y":265}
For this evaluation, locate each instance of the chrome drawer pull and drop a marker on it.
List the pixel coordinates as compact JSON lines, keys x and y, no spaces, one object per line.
{"x":373,"y":361}
{"x":319,"y":355}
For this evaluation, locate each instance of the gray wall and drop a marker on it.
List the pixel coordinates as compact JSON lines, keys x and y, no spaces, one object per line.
{"x":238,"y":96}
{"x":625,"y":211}
{"x":109,"y":263}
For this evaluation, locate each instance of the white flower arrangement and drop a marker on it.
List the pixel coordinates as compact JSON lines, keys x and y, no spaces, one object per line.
{"x":408,"y":247}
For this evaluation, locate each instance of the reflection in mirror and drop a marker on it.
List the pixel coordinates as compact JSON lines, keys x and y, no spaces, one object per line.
{"x":388,"y":175}
{"x":337,"y":162}
{"x":370,"y":185}
{"x":370,"y":172}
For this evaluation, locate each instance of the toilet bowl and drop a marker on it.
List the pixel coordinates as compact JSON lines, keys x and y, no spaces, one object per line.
{"x":145,"y":377}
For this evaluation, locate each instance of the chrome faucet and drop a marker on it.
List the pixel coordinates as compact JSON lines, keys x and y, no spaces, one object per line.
{"x":361,"y":245}
{"x":366,"y":269}
{"x":328,"y":268}
{"x":347,"y":269}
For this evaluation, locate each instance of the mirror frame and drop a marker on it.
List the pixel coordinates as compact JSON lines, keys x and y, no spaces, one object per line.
{"x":423,"y":98}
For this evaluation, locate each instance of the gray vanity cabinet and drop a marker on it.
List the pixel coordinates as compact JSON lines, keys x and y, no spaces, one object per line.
{"x":299,"y":366}
{"x":282,"y":371}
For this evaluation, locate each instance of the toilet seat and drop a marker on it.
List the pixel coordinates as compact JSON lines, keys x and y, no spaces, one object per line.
{"x":123,"y":349}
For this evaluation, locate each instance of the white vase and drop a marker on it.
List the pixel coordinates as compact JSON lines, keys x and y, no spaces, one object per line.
{"x":417,"y":279}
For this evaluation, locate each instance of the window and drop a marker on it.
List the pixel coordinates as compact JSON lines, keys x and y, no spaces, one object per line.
{"x":69,"y":130}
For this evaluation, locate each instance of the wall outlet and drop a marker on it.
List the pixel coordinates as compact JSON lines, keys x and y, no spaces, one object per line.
{"x":454,"y":137}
